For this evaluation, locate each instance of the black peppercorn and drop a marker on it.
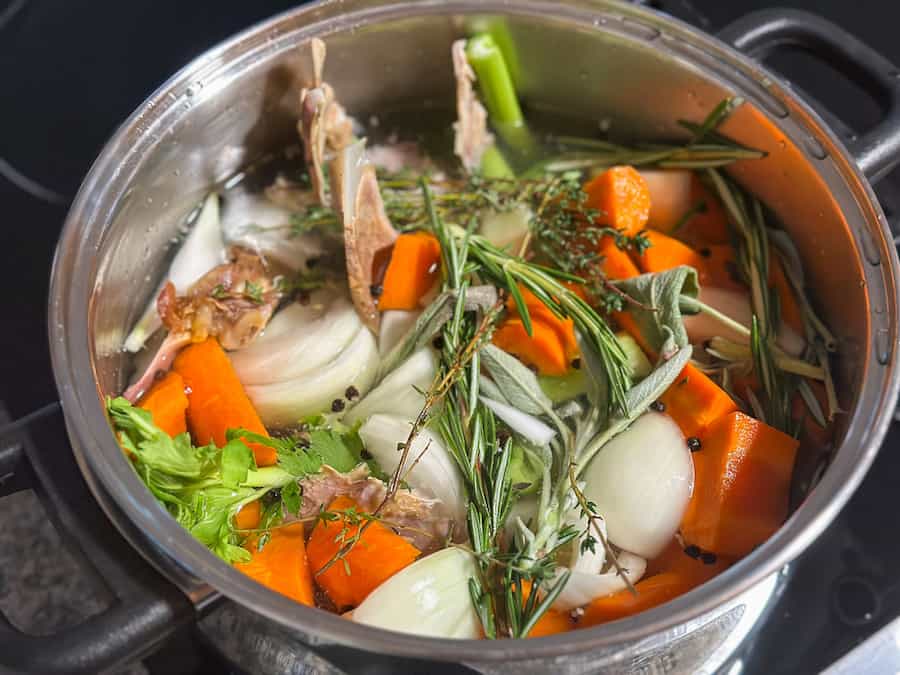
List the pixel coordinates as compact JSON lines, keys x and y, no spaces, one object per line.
{"x":692,"y":551}
{"x":365,"y":454}
{"x":312,"y":262}
{"x":351,"y":393}
{"x":658,"y":406}
{"x":376,"y":290}
{"x":693,"y":444}
{"x":337,"y":405}
{"x":576,"y":364}
{"x":502,"y":437}
{"x":708,"y":558}
{"x":438,"y":342}
{"x":705,"y":252}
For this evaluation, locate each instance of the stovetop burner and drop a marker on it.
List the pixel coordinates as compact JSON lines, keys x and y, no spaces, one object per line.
{"x":72,"y":71}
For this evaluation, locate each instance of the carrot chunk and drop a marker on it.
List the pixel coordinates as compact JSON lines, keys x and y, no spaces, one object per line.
{"x":216,"y":399}
{"x":741,"y":485}
{"x":412,"y":271}
{"x":248,"y":517}
{"x":721,"y":267}
{"x":282,"y":565}
{"x":166,"y":402}
{"x":621,"y":195}
{"x":543,"y":349}
{"x":616,"y":263}
{"x":565,"y":328}
{"x":706,"y":227}
{"x":666,"y":252}
{"x":787,"y":299}
{"x":377,"y":556}
{"x":669,"y":575}
{"x":694,"y":401}
{"x":552,"y":622}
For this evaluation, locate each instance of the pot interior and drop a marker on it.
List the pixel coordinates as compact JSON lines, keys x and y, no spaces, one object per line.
{"x":592,"y":66}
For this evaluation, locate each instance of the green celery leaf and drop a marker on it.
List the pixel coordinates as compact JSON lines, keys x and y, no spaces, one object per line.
{"x":333,"y":451}
{"x":291,"y":497}
{"x":237,"y":460}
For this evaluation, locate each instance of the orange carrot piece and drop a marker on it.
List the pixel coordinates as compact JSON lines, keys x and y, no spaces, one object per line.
{"x":166,"y":402}
{"x":665,"y":252}
{"x":721,"y":267}
{"x":412,"y":271}
{"x":694,"y":401}
{"x":281,"y":565}
{"x":709,"y":226}
{"x":622,"y":196}
{"x":543,"y":349}
{"x":565,"y":328}
{"x":216,"y":399}
{"x":787,"y":299}
{"x":552,"y":622}
{"x":377,"y":556}
{"x":741,"y":485}
{"x":616,"y":263}
{"x":248,"y":517}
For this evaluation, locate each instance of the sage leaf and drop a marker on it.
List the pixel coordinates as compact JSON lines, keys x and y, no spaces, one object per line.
{"x":662,"y":293}
{"x":520,"y":386}
{"x":490,"y":389}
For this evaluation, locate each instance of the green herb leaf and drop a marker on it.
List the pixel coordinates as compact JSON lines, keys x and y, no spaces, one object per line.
{"x":237,"y":460}
{"x":519,"y":385}
{"x":330,"y":447}
{"x":253,"y":292}
{"x":291,"y":497}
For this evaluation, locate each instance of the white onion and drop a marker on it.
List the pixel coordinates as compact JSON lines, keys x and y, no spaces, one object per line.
{"x":586,"y":562}
{"x":201,"y":251}
{"x":395,"y":325}
{"x":399,"y":393}
{"x":524,"y":424}
{"x":670,"y":197}
{"x":641,"y":482}
{"x":299,"y":340}
{"x":283,"y":403}
{"x":735,"y":305}
{"x":430,"y":597}
{"x":584,"y":587}
{"x":254,"y":222}
{"x":506,"y":229}
{"x":435,"y":473}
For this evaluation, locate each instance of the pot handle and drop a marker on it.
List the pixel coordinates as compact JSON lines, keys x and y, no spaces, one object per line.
{"x":147,"y":608}
{"x":758,"y":34}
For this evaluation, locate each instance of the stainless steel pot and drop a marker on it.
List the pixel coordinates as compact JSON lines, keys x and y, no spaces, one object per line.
{"x":638,"y":72}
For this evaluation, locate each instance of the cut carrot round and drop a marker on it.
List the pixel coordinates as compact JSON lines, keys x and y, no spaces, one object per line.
{"x":413,"y":269}
{"x":248,"y":517}
{"x":694,"y":401}
{"x":565,"y":328}
{"x":167,"y":403}
{"x":373,"y":559}
{"x":665,"y":253}
{"x":616,"y":262}
{"x":552,"y":622}
{"x":621,"y":195}
{"x":216,"y":399}
{"x":281,"y":565}
{"x":741,"y":486}
{"x":709,"y":226}
{"x":543,"y":349}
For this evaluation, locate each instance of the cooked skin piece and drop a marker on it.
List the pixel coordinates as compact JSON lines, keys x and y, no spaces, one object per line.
{"x":232,"y":302}
{"x":471,"y":135}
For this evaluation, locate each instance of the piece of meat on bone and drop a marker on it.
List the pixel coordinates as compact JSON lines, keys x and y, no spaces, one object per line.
{"x":471,"y":137}
{"x":232,"y":302}
{"x":419,"y":519}
{"x":324,"y":125}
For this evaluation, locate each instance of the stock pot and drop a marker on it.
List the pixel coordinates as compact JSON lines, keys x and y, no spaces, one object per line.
{"x":634,"y":71}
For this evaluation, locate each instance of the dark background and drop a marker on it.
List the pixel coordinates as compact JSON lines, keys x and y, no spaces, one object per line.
{"x":70,"y":71}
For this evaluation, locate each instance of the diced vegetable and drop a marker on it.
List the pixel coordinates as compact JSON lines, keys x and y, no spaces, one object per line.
{"x":248,"y":516}
{"x":670,"y":197}
{"x":166,"y":402}
{"x":430,"y":597}
{"x":401,"y":392}
{"x":395,"y":325}
{"x":641,"y":482}
{"x":543,"y":349}
{"x":708,"y":225}
{"x":281,"y":565}
{"x":621,"y":195}
{"x":216,"y":400}
{"x":561,"y":388}
{"x":616,"y":262}
{"x":414,"y":267}
{"x":666,"y":253}
{"x":551,"y":623}
{"x":433,"y":471}
{"x":537,"y":310}
{"x":506,"y":229}
{"x":744,"y":469}
{"x":377,"y":555}
{"x":721,"y":267}
{"x":791,"y":315}
{"x":694,"y":401}
{"x":584,"y":587}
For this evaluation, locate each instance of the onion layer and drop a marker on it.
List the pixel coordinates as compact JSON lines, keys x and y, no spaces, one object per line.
{"x":584,"y":587}
{"x":400,"y":392}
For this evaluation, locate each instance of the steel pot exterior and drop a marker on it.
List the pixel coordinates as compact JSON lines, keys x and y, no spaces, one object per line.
{"x":635,"y":71}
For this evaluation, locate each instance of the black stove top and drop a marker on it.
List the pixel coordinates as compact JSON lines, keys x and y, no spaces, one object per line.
{"x":70,"y":72}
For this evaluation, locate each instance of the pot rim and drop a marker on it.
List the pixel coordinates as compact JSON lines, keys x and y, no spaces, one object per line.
{"x":191,"y":566}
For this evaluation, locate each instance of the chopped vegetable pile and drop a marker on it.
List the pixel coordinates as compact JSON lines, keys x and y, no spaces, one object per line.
{"x":546,"y":385}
